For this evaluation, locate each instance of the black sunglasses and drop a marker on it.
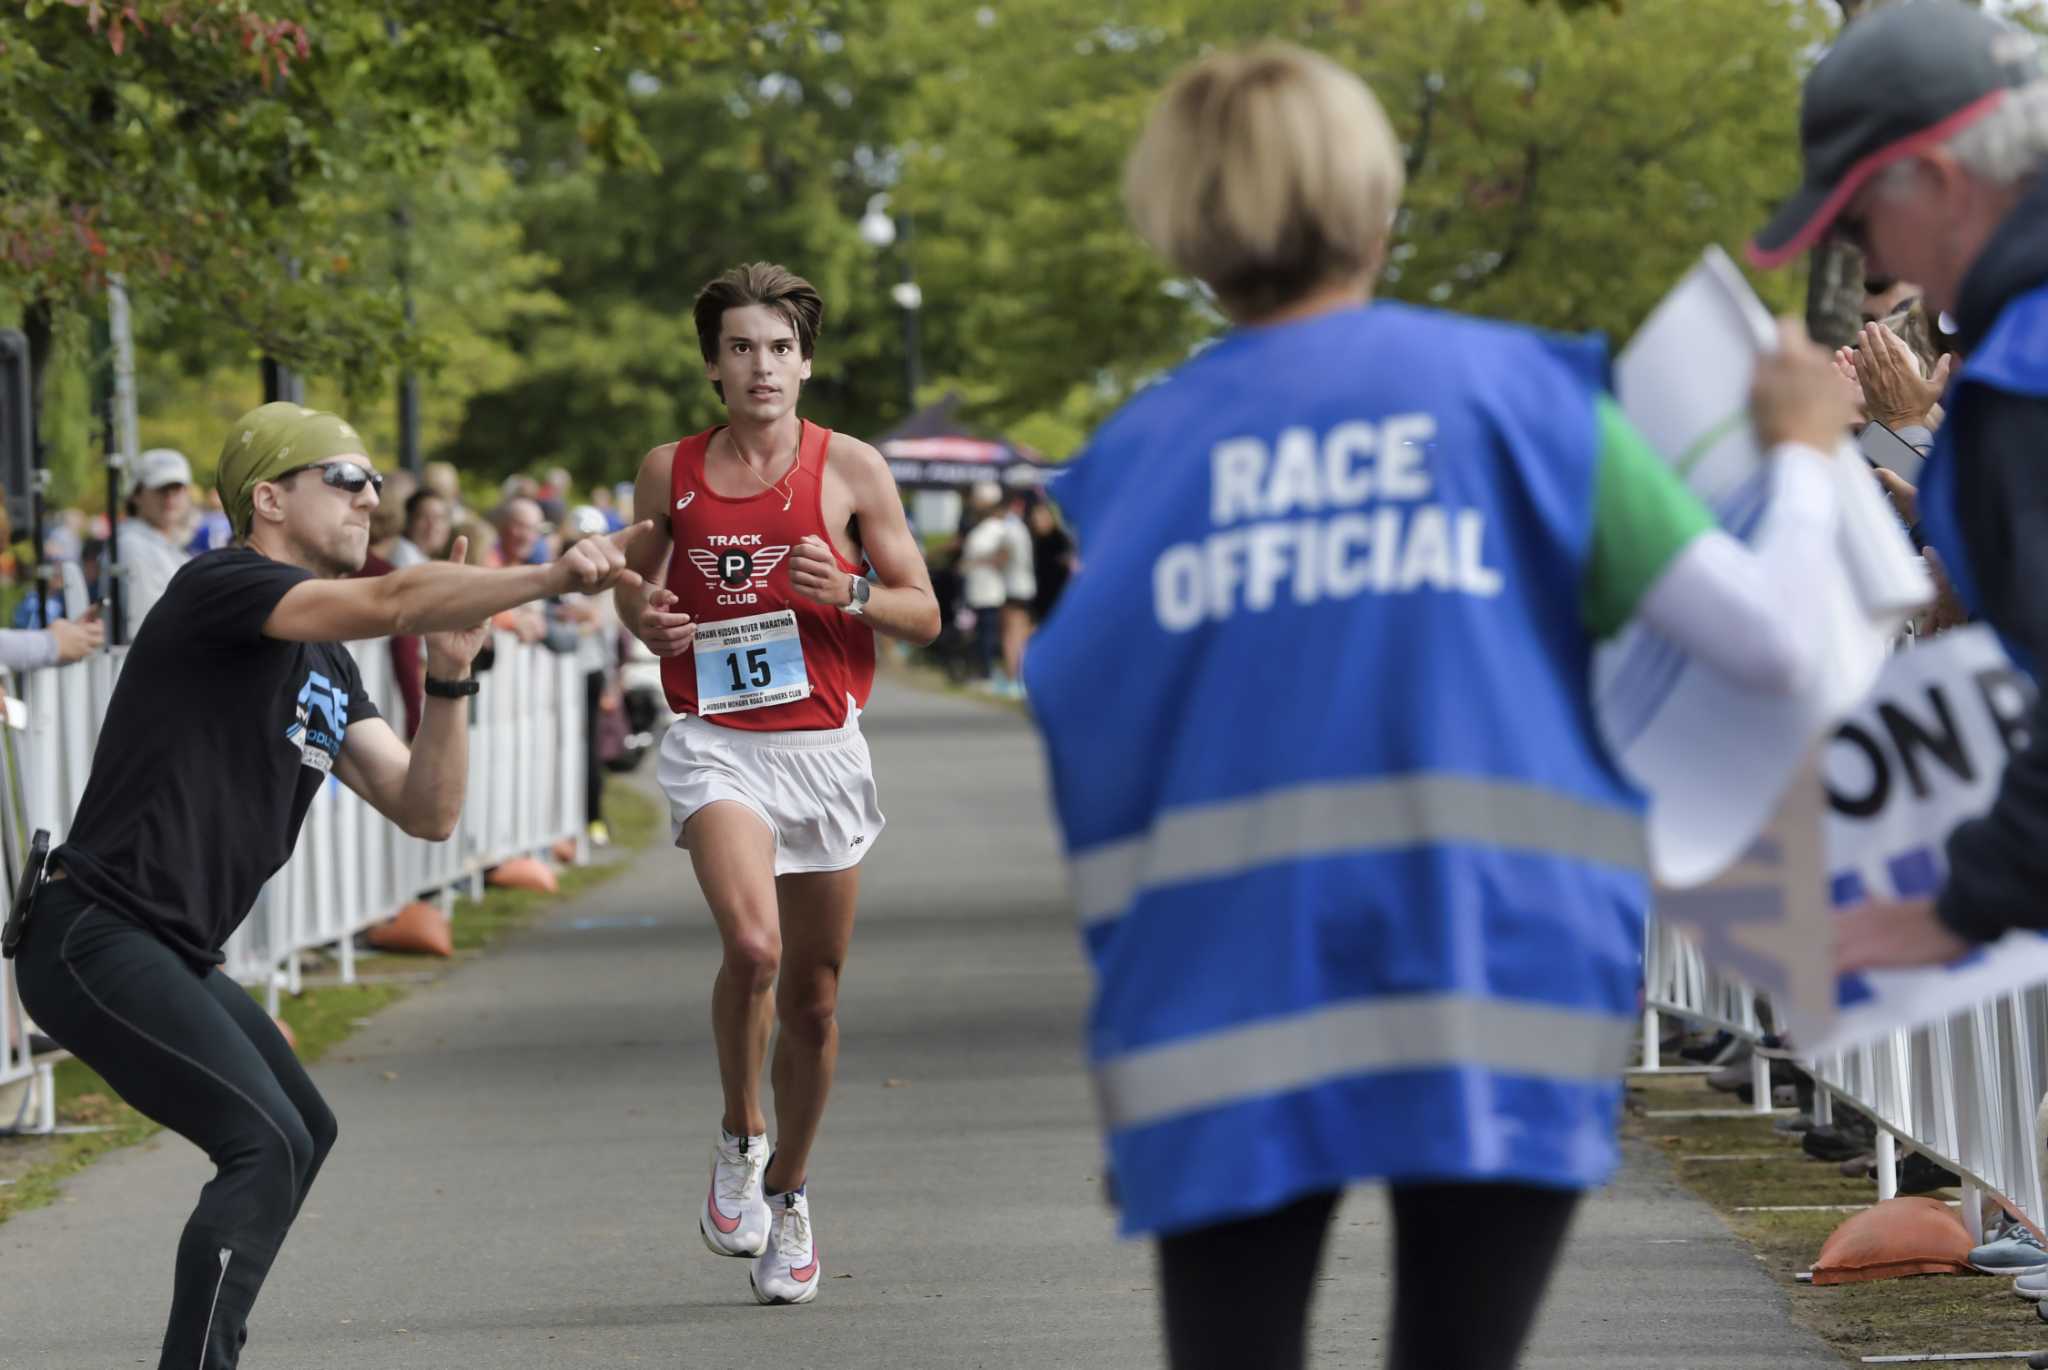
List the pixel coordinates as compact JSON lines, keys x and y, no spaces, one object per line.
{"x":342,"y":475}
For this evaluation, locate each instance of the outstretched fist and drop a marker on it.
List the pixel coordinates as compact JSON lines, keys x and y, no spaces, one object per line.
{"x":599,"y":563}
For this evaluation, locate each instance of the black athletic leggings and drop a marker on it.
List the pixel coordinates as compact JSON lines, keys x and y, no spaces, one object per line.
{"x":1237,"y":1294}
{"x":188,"y":1047}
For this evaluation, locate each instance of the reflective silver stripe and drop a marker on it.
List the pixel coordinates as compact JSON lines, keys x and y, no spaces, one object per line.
{"x":1414,"y":1032}
{"x":207,"y":1339}
{"x":1371,"y":815}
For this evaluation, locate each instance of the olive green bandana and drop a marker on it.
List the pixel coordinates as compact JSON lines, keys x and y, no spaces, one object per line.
{"x":270,"y":440}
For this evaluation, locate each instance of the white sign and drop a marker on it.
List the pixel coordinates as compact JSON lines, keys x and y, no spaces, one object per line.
{"x":1922,"y":754}
{"x":1764,"y":920}
{"x":1715,"y":757}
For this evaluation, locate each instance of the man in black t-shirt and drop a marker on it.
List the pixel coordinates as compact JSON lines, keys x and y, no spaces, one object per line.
{"x":234,"y":705}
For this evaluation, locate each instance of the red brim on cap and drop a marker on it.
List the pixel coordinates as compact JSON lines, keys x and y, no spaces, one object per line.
{"x":1808,"y":227}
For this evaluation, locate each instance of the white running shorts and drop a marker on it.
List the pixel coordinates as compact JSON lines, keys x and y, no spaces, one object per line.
{"x":815,"y":789}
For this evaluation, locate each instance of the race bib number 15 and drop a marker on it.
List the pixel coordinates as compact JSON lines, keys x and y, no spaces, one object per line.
{"x":750,"y":663}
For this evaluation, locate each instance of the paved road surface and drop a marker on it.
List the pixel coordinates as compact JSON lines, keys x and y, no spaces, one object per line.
{"x":522,"y":1148}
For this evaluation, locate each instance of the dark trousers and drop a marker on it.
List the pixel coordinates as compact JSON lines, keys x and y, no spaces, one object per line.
{"x":593,"y":776}
{"x":1237,"y":1294}
{"x":190,"y":1049}
{"x":988,"y":640}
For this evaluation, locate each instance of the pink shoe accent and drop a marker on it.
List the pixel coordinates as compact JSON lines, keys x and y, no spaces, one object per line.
{"x":718,"y":1219}
{"x":804,"y":1274}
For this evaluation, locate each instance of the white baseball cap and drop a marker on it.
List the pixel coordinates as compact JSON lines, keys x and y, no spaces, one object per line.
{"x":161,"y":466}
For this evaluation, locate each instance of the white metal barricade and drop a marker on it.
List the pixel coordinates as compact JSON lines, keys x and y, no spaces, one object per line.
{"x":352,"y":868}
{"x":1965,"y":1092}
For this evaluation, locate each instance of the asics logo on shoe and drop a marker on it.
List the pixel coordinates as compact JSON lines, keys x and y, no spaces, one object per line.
{"x":718,"y":1219}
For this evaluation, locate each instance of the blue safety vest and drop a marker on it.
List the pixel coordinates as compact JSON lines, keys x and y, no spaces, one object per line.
{"x":1363,"y":893}
{"x":2014,"y":358}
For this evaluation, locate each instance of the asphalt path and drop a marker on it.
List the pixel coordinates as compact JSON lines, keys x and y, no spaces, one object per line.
{"x":523,"y":1146}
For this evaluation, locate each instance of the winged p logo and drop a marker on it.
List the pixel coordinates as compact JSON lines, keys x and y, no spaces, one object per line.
{"x":738,"y":567}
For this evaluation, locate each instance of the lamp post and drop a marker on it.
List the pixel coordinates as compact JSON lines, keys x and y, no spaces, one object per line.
{"x":881,"y":230}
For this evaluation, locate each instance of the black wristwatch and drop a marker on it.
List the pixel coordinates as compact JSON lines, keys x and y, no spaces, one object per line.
{"x":452,"y":689}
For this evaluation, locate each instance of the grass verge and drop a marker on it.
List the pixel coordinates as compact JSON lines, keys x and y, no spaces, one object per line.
{"x":1920,"y":1315}
{"x":320,"y":1018}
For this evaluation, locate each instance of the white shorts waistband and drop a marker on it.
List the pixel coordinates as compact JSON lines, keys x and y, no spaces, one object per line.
{"x":803,"y":739}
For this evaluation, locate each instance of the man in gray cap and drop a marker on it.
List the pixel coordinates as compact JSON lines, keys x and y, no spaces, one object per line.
{"x":1925,"y":135}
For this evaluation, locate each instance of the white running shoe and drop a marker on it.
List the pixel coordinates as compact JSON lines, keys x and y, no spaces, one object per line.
{"x":734,"y":1217}
{"x":787,"y":1272}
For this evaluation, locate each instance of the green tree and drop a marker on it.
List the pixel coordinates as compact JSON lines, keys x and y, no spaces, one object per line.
{"x":1564,"y":169}
{"x":760,"y":160}
{"x":239,"y":167}
{"x":220,"y":156}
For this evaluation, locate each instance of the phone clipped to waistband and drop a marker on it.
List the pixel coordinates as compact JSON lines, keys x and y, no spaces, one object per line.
{"x":33,"y":873}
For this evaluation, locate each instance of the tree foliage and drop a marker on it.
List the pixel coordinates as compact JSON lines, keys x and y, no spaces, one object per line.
{"x":574,"y":171}
{"x":1563,"y":169}
{"x":222,"y":154}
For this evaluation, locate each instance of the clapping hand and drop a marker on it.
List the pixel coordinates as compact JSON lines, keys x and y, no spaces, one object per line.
{"x":1845,"y":366}
{"x":1895,"y":393}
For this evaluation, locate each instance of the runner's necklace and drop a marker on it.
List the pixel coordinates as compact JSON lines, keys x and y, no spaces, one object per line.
{"x":775,"y":489}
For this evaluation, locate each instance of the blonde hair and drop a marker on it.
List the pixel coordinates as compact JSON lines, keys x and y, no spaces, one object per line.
{"x":1266,"y":174}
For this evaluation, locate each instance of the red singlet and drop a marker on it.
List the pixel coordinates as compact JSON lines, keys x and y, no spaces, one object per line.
{"x":730,"y":572}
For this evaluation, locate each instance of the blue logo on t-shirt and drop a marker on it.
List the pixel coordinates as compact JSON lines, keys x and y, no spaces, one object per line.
{"x":322,"y":719}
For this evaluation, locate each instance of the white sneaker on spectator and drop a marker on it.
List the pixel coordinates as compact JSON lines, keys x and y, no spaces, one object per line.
{"x":2032,"y":1286}
{"x":787,"y":1272}
{"x":734,"y":1218}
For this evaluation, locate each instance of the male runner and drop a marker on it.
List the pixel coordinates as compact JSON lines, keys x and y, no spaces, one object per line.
{"x":768,"y":655}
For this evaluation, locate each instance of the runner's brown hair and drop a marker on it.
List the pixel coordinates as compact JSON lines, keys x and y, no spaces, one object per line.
{"x":762,"y":283}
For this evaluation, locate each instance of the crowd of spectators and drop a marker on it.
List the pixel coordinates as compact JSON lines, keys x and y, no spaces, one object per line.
{"x":164,"y":522}
{"x":998,"y":577}
{"x":996,"y":580}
